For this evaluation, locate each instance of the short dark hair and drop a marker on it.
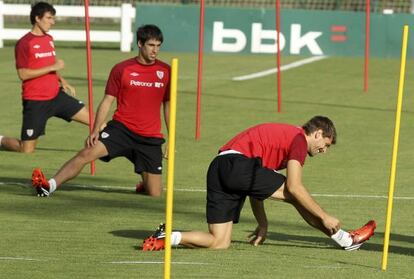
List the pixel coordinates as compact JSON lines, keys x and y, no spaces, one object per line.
{"x":148,"y":32}
{"x":39,"y":9}
{"x":321,"y":123}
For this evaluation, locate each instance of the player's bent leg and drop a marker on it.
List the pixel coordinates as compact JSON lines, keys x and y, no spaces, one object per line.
{"x":218,"y":237}
{"x":152,"y":184}
{"x":222,"y":235}
{"x":11,"y":144}
{"x":75,"y":165}
{"x":82,"y":116}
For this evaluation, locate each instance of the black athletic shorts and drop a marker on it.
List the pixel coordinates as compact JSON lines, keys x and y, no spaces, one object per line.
{"x":230,"y":179}
{"x":36,"y":113}
{"x":144,"y":152}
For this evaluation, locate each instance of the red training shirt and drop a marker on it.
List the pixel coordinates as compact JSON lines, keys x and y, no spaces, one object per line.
{"x":34,"y":52}
{"x":274,"y":143}
{"x":140,"y":90}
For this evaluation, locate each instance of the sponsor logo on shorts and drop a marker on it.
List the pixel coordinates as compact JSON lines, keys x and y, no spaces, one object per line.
{"x":160,"y":74}
{"x":29,"y":132}
{"x":104,"y":135}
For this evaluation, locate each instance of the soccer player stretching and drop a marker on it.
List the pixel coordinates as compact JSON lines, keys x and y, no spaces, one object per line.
{"x":247,"y":166}
{"x":140,"y":85}
{"x":44,"y":90}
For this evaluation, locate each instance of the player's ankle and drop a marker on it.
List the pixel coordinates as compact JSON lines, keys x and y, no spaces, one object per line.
{"x":342,"y":238}
{"x":52,"y":185}
{"x":176,"y":238}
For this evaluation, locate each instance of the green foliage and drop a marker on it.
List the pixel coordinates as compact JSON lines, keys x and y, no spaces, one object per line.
{"x":92,"y":226}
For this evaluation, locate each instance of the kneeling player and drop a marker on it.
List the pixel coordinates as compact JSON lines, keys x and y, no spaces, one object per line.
{"x":247,"y":166}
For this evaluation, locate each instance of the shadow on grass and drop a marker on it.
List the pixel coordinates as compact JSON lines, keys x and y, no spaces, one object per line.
{"x":297,"y":241}
{"x":320,"y":242}
{"x":26,"y":183}
{"x":56,"y":149}
{"x":134,"y":234}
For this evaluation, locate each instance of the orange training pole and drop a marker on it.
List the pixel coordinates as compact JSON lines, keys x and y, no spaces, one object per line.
{"x":89,"y":73}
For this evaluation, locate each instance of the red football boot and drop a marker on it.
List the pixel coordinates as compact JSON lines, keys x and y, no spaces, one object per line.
{"x":361,"y":235}
{"x":40,"y":183}
{"x":140,"y":189}
{"x":155,"y":242}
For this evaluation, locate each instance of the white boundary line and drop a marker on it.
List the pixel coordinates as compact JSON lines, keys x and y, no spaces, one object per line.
{"x":110,"y":187}
{"x":153,"y":262}
{"x":20,"y":259}
{"x":283,"y":68}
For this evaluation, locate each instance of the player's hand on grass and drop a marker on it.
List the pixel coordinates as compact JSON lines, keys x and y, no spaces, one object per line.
{"x":258,"y":236}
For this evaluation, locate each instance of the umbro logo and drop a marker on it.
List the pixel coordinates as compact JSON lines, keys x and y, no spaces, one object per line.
{"x":134,"y":74}
{"x":36,"y":46}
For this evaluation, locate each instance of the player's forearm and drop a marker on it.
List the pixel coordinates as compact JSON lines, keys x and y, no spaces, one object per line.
{"x":26,"y":74}
{"x":100,"y":118}
{"x":102,"y":113}
{"x":258,"y":211}
{"x":302,"y":196}
{"x":166,"y":107}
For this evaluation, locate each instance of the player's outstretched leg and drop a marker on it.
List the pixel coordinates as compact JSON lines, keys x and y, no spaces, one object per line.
{"x":361,"y":235}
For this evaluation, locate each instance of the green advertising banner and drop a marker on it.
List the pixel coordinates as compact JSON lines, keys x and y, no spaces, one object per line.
{"x":303,"y":32}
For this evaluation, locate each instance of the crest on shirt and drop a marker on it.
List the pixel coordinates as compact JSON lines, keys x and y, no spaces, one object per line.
{"x":52,"y":44}
{"x":160,"y":74}
{"x":104,"y":135}
{"x":29,"y":132}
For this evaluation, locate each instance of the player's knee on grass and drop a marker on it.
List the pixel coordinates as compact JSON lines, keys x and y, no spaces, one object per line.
{"x":220,"y":245}
{"x":27,"y":147}
{"x":153,"y":189}
{"x":152,"y":184}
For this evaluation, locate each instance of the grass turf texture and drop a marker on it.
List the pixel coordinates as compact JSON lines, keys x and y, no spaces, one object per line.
{"x":93,"y":231}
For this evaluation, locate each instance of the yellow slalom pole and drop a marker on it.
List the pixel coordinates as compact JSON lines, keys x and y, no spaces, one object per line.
{"x":170,"y":170}
{"x":395,"y":148}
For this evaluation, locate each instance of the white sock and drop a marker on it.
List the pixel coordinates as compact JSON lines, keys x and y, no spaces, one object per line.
{"x":343,"y":238}
{"x":175,"y":238}
{"x":52,"y":185}
{"x":1,"y":137}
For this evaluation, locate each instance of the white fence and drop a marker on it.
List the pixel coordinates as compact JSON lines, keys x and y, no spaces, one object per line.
{"x":126,"y":13}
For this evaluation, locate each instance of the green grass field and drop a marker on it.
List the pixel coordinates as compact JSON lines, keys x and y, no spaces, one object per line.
{"x":92,"y":227}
